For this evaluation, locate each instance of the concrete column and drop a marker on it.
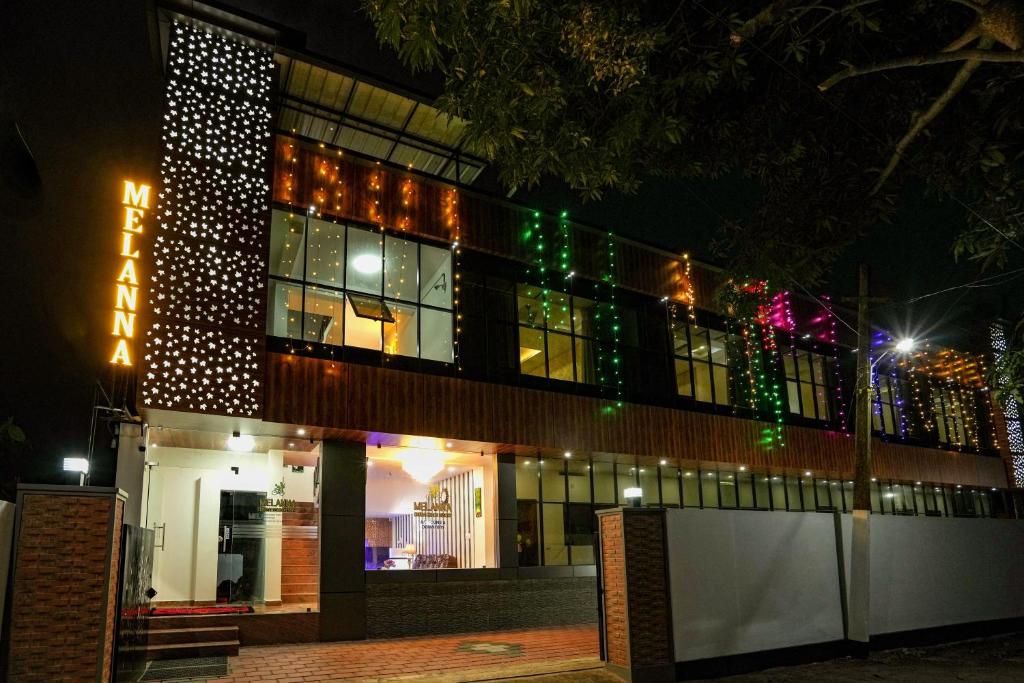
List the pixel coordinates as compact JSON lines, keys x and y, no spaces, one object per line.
{"x":64,"y":597}
{"x":342,"y":528}
{"x":637,"y":625}
{"x":508,"y":514}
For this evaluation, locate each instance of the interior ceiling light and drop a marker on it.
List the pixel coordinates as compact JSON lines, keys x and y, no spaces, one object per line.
{"x":367,"y":263}
{"x":240,"y":443}
{"x":422,"y":465}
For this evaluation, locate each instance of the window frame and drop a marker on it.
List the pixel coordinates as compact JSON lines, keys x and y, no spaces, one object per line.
{"x":387,"y":302}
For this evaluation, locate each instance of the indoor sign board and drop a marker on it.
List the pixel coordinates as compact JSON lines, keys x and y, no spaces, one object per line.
{"x":437,"y":504}
{"x":134,"y":203}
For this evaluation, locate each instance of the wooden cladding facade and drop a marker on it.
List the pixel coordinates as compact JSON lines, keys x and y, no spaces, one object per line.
{"x":343,"y":397}
{"x":347,"y":188}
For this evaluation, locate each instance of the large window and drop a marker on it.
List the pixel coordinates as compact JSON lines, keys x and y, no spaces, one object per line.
{"x":556,"y":334}
{"x":429,"y":507}
{"x":343,"y":285}
{"x":949,"y":410}
{"x":710,"y":364}
{"x":809,"y":379}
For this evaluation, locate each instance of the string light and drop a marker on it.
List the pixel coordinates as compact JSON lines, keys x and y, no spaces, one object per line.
{"x":832,"y":339}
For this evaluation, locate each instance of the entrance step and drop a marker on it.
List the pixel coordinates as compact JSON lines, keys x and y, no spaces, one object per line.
{"x":179,"y":637}
{"x":187,"y":650}
{"x":175,"y":636}
{"x":293,"y":587}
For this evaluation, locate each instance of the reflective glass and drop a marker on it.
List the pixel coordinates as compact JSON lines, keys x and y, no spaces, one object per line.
{"x":436,"y":283}
{"x":325,"y":256}
{"x":401,"y":270}
{"x":287,"y":244}
{"x":365,"y":261}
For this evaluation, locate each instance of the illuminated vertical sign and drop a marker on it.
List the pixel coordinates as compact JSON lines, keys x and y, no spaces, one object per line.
{"x":134,"y":205}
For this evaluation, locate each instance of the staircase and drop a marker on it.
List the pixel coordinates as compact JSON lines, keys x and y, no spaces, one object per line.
{"x":300,"y":555}
{"x":190,"y":636}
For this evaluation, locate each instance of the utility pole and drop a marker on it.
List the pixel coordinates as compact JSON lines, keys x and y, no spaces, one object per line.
{"x":859,"y":595}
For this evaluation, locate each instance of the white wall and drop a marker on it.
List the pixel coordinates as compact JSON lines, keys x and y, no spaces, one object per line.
{"x":184,"y":493}
{"x":928,"y":571}
{"x":131,"y":465}
{"x":744,"y":581}
{"x":298,"y":486}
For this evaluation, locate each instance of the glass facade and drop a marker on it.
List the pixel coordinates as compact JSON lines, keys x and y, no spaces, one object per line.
{"x":557,"y":499}
{"x":345,"y":285}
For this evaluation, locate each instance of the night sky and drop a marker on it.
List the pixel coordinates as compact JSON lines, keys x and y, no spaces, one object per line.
{"x":83,"y":83}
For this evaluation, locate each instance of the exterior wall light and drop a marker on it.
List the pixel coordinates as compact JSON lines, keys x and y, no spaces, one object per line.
{"x":633,"y":494}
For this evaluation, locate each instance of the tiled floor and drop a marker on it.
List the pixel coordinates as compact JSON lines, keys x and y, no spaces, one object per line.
{"x":467,"y":657}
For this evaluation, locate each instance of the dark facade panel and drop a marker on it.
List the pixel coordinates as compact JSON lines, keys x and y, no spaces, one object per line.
{"x":345,"y":396}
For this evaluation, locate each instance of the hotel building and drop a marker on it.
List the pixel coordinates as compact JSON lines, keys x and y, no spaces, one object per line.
{"x":386,"y":402}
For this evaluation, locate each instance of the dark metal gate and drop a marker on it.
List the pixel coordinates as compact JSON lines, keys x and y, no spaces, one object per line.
{"x":135,"y":591}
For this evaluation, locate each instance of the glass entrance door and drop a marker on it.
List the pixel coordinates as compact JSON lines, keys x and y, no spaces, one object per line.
{"x":241,"y":547}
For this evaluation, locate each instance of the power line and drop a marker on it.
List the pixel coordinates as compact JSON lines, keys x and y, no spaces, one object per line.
{"x":976,"y":284}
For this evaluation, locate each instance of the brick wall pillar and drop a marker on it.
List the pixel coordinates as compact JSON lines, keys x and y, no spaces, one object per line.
{"x":63,"y":609}
{"x":637,"y":628}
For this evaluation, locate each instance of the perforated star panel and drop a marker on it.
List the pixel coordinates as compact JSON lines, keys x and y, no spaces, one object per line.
{"x":203,"y":348}
{"x":1011,"y":411}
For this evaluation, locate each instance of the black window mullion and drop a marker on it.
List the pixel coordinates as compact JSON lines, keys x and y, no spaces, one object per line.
{"x":419,"y":303}
{"x":615,"y":482}
{"x":383,"y":272}
{"x":305,"y":265}
{"x":565,"y":511}
{"x":540,"y":507}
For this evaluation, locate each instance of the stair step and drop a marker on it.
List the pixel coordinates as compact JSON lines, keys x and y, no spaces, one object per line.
{"x":183,"y":650}
{"x":291,"y":598}
{"x":292,"y":588}
{"x":202,"y":634}
{"x":303,"y":576}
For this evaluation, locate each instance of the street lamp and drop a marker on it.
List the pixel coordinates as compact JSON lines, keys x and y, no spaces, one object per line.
{"x":80,"y":465}
{"x":905,"y":345}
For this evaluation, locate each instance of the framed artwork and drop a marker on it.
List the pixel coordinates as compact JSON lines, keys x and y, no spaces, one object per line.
{"x":478,"y":507}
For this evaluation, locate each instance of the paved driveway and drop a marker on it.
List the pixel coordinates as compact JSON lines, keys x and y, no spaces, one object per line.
{"x":441,"y":659}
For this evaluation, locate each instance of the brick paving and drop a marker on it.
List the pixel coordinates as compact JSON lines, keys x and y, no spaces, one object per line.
{"x":465,"y":657}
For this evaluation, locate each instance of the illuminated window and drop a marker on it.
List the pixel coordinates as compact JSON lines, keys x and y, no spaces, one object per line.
{"x":710,"y":364}
{"x":343,"y":285}
{"x":809,"y":378}
{"x":556,"y":335}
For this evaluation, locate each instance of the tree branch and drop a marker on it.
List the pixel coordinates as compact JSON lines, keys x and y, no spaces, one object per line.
{"x":924,"y":60}
{"x":978,"y":7}
{"x":766,"y":16}
{"x":920,"y":122}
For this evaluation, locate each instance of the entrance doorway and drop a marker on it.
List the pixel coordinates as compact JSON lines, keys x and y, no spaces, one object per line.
{"x":241,"y":552}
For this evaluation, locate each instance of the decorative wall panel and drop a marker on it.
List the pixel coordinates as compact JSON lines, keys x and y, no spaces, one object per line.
{"x":1011,"y":411}
{"x":204,"y":343}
